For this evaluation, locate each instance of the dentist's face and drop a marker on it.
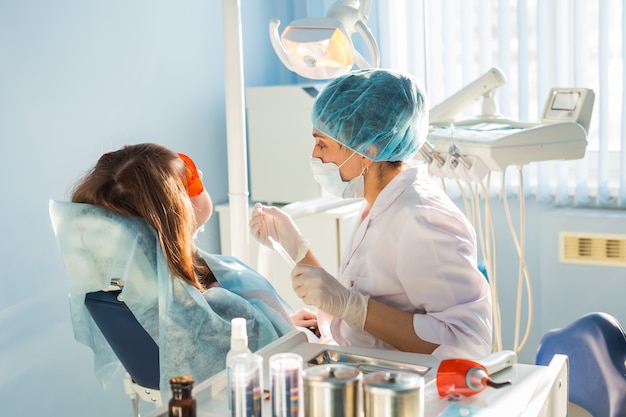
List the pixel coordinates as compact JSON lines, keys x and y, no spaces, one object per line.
{"x":328,"y":150}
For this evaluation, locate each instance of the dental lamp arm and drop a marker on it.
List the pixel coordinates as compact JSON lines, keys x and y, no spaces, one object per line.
{"x":482,"y":86}
{"x":349,"y":11}
{"x":353,"y":14}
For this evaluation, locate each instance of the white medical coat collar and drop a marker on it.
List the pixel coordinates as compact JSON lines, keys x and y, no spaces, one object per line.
{"x":385,"y":199}
{"x":392,"y":191}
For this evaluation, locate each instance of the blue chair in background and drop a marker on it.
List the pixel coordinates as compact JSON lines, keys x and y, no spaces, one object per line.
{"x":596,"y":346}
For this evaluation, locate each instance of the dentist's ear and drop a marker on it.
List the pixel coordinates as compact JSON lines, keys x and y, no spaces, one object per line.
{"x":366,"y":163}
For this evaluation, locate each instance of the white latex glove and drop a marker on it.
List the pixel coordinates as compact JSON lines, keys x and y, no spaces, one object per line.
{"x":271,"y":221}
{"x":318,"y":288}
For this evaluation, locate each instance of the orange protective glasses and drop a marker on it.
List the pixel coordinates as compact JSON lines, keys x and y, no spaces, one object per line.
{"x":194,"y":182}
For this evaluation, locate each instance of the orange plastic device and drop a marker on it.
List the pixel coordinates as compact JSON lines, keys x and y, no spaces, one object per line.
{"x":460,"y":378}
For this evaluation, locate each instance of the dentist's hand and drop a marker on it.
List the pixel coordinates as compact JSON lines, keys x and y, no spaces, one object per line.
{"x":318,"y":288}
{"x":272,"y":221}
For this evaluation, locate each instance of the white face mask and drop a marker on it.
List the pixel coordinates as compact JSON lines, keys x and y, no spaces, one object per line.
{"x":329,"y":178}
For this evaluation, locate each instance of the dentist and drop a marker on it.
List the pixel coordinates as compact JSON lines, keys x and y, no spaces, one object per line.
{"x":409,"y":278}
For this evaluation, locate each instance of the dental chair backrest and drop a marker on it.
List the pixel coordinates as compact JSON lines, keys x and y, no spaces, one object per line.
{"x":191,"y":328}
{"x":596,"y":346}
{"x":99,"y":249}
{"x":137,"y":351}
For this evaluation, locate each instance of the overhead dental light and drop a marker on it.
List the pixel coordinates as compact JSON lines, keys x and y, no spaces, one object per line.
{"x":322,"y":48}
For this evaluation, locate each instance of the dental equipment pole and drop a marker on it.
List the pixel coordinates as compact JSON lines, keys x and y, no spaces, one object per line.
{"x":235,"y":129}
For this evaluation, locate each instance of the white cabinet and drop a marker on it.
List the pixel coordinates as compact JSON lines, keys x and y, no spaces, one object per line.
{"x":280,"y":143}
{"x":327,"y":227}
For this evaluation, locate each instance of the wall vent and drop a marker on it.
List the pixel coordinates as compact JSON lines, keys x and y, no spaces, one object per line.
{"x":592,"y":248}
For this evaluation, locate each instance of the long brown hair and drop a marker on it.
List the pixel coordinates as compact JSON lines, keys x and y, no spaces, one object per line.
{"x":147,"y":180}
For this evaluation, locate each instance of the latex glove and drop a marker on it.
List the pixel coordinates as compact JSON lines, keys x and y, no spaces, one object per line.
{"x":318,"y":288}
{"x":271,"y":221}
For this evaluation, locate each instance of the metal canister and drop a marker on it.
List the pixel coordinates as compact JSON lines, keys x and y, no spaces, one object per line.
{"x":393,"y":394}
{"x":333,"y":390}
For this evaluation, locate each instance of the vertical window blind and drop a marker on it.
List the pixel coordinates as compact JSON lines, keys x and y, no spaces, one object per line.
{"x":538,"y":44}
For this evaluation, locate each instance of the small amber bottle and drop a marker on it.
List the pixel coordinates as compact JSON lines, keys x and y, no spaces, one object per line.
{"x":182,"y":403}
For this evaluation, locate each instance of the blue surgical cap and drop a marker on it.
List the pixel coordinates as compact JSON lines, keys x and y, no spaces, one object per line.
{"x":380,"y":114}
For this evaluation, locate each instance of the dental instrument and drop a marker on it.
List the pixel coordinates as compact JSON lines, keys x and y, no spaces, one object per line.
{"x":281,"y":251}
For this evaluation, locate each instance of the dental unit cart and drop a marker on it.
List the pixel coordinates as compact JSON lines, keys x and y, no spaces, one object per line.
{"x":471,"y":148}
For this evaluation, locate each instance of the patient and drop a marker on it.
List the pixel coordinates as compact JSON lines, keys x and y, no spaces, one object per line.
{"x":140,"y":208}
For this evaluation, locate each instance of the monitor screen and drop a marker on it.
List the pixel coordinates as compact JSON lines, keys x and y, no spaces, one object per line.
{"x":565,"y":101}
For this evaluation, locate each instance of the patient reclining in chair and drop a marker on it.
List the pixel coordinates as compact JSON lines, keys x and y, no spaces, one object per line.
{"x":134,"y":217}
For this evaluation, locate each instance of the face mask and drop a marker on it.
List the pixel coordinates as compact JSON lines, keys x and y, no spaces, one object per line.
{"x":329,"y":178}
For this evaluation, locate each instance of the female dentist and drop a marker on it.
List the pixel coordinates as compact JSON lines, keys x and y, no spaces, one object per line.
{"x":409,"y":278}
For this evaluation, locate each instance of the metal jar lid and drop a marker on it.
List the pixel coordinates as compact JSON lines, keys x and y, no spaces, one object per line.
{"x":396,"y":381}
{"x":334,"y":374}
{"x":393,"y":394}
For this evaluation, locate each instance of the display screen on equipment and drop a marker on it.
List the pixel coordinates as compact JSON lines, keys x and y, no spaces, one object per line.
{"x":569,"y":105}
{"x":565,"y":101}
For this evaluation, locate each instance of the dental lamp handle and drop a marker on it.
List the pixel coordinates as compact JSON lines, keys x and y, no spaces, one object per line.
{"x":280,"y":50}
{"x":353,"y":15}
{"x":370,"y":41}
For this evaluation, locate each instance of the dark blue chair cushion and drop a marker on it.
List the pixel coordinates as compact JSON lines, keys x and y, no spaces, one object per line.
{"x":596,"y":346}
{"x":133,"y":346}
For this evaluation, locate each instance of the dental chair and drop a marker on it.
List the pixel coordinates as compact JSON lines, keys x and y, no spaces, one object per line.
{"x":190,"y":328}
{"x":97,"y":248}
{"x":137,"y":351}
{"x":596,"y":346}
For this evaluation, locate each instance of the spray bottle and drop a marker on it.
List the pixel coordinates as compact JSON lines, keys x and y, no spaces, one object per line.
{"x":243,"y":370}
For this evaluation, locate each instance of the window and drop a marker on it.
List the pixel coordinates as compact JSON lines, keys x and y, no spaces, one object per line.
{"x":538,"y":44}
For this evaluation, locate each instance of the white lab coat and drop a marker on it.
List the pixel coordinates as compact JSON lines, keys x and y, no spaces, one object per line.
{"x":416,"y":251}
